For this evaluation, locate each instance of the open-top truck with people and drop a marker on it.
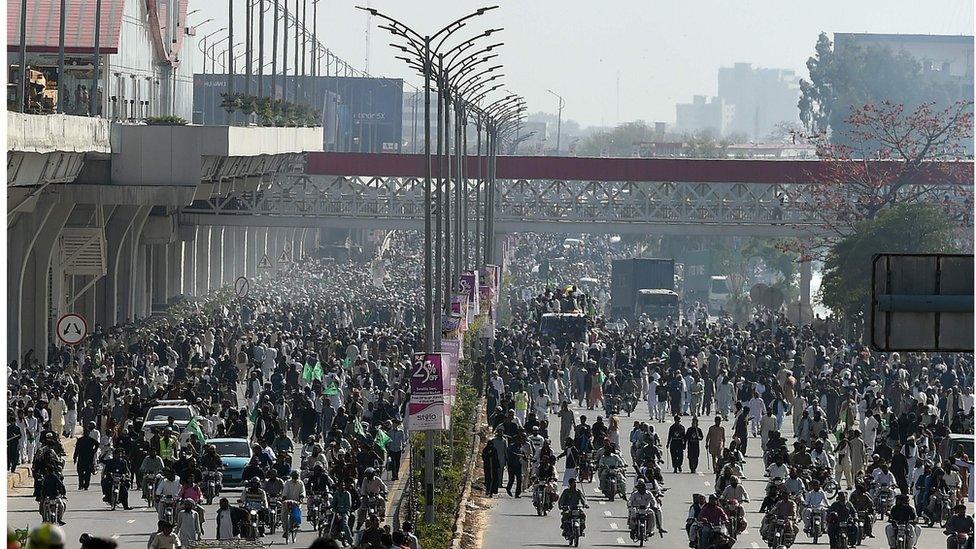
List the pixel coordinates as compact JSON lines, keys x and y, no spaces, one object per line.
{"x":643,"y":286}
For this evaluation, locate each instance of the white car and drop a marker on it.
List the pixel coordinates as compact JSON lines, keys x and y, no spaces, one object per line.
{"x":158,"y":415}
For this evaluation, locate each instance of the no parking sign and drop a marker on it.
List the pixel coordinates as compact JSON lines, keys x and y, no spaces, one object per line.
{"x":72,"y":328}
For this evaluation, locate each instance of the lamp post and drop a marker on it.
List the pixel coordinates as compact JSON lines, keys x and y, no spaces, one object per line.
{"x":203,"y":46}
{"x":422,"y":48}
{"x":559,"y":119}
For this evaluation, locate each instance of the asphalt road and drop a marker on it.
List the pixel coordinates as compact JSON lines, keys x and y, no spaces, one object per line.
{"x":515,"y":523}
{"x":88,"y":513}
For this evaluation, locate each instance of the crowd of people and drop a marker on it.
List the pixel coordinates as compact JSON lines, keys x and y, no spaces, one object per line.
{"x":310,"y":369}
{"x":849,"y":435}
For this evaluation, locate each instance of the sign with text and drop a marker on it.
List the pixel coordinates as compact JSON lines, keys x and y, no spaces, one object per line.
{"x":469,"y":285}
{"x":429,"y":383}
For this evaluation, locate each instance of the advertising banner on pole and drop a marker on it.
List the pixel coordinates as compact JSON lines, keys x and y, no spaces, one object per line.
{"x":470,"y":282}
{"x":459,"y":306}
{"x":429,"y":387}
{"x":485,"y":299}
{"x":451,"y":326}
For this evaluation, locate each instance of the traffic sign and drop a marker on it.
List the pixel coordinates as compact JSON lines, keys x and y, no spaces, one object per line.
{"x":242,"y":286}
{"x":265,"y":262}
{"x":72,"y":328}
{"x":285,"y":257}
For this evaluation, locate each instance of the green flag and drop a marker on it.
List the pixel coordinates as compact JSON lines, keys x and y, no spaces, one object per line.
{"x":382,"y":439}
{"x":310,"y":372}
{"x":332,"y":389}
{"x":307,"y":372}
{"x":254,"y":414}
{"x":194,"y":428}
{"x":317,"y":371}
{"x":346,"y":363}
{"x":357,"y":427}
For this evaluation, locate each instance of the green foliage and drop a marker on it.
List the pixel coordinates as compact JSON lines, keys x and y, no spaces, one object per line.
{"x":842,"y":80}
{"x":271,"y":112}
{"x":165,"y":121}
{"x":905,"y":228}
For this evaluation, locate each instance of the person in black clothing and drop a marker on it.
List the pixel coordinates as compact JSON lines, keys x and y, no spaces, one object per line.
{"x":52,"y":487}
{"x":840,"y":512}
{"x":489,"y":460}
{"x":959,"y":523}
{"x":693,"y":438}
{"x":676,"y":443}
{"x":86,"y":449}
{"x":116,"y":464}
{"x":514,"y":462}
{"x":14,"y":435}
{"x":902,"y":512}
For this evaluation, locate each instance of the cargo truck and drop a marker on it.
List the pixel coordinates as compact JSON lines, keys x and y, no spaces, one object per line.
{"x":643,"y":286}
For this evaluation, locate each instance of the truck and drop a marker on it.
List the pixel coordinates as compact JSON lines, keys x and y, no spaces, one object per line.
{"x":564,"y":329}
{"x":628,"y":280}
{"x":718,"y":294}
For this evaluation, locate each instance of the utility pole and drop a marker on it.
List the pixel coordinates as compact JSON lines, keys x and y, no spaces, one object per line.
{"x":260,"y":48}
{"x":93,"y":104}
{"x":428,"y":283}
{"x":61,"y":83}
{"x":230,"y":51}
{"x":559,"y":120}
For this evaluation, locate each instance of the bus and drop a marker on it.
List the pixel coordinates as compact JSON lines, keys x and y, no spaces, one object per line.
{"x":718,"y":294}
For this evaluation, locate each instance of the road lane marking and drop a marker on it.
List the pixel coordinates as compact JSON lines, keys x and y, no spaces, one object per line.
{"x":130,"y":521}
{"x":614,"y":525}
{"x":603,"y":503}
{"x":620,"y":541}
{"x":755,"y":545}
{"x":701,"y":474}
{"x":607,"y":513}
{"x":115,"y":536}
{"x":708,"y":483}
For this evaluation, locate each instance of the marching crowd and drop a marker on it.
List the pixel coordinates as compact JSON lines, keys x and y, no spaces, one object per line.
{"x":849,"y":436}
{"x":309,"y":369}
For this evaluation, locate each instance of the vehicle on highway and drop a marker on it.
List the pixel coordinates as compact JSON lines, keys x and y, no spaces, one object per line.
{"x":234,"y":454}
{"x":157,"y":417}
{"x":658,"y":304}
{"x":718,"y":294}
{"x":563,"y":328}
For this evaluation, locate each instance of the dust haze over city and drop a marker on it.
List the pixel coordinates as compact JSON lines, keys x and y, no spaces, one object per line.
{"x":446,"y":274}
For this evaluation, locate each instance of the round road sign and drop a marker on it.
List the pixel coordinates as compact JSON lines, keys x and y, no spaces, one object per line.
{"x":72,"y":328}
{"x":242,"y":286}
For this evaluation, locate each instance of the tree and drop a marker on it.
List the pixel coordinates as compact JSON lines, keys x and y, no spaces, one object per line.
{"x":925,"y":145}
{"x":842,"y":79}
{"x":907,"y":228}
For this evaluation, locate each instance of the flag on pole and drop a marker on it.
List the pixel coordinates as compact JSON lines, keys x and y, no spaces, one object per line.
{"x":332,"y":389}
{"x":194,"y":428}
{"x":382,"y":439}
{"x":357,"y":427}
{"x":346,"y":363}
{"x":310,"y":372}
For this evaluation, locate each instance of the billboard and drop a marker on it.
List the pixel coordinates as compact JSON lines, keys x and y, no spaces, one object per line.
{"x":428,"y":409}
{"x":358,"y":114}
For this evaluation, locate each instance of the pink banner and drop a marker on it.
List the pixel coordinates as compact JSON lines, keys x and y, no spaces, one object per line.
{"x":430,"y":387}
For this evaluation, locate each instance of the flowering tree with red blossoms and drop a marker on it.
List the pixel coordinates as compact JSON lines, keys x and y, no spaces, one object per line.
{"x":918,"y":150}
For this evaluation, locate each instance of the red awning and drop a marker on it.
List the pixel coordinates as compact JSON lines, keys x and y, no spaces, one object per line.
{"x":43,"y":20}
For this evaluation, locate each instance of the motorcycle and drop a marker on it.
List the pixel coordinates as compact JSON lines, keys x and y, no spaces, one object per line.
{"x":943,"y":508}
{"x":251,"y":528}
{"x":958,"y":540}
{"x":113,"y":498}
{"x":373,"y":504}
{"x":585,"y":468}
{"x":843,"y":539}
{"x":542,"y":498}
{"x":780,"y":535}
{"x":49,"y":511}
{"x":737,"y":522}
{"x":273,"y":518}
{"x":883,"y":501}
{"x":816,"y":525}
{"x":613,"y":484}
{"x":338,"y":532}
{"x":149,"y":483}
{"x":211,"y":485}
{"x":644,"y":526}
{"x":611,"y":405}
{"x":866,"y":518}
{"x":712,"y":537}
{"x":630,"y":404}
{"x":316,"y":510}
{"x":903,"y":535}
{"x":169,"y":508}
{"x":573,"y":525}
{"x":827,"y":483}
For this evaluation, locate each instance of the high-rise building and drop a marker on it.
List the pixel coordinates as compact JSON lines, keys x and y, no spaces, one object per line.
{"x":762,"y":98}
{"x":701,"y":114}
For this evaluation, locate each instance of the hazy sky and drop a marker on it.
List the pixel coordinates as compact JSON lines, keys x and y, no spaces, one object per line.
{"x":663,"y":51}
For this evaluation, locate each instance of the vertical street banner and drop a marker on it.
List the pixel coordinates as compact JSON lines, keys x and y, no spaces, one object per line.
{"x":493,"y":277}
{"x":429,"y":387}
{"x":484,"y":299}
{"x":453,"y":348}
{"x":451,"y":326}
{"x":459,"y":306}
{"x":470,"y":282}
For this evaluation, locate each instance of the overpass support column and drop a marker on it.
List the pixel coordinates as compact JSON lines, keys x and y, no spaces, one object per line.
{"x":189,"y":285}
{"x":806,"y":275}
{"x":229,"y":255}
{"x":118,"y":232}
{"x":30,"y":242}
{"x":216,"y":257}
{"x":142,"y":285}
{"x":174,"y":276}
{"x":158,"y":276}
{"x":251,"y":254}
{"x":202,"y":278}
{"x":240,"y":251}
{"x":127,"y":268}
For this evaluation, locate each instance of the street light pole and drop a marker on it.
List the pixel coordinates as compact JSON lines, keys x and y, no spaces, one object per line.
{"x":559,"y":120}
{"x":260,"y":48}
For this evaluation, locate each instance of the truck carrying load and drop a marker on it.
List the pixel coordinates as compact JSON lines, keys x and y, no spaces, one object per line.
{"x":629,"y":276}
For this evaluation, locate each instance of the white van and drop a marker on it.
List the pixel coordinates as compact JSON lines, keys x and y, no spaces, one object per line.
{"x":718,"y":294}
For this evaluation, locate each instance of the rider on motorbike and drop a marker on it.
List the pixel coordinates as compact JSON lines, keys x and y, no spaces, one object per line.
{"x":571,"y":497}
{"x":784,"y":509}
{"x":642,"y":497}
{"x":52,"y":488}
{"x":795,"y":485}
{"x":815,"y":501}
{"x":902,"y":512}
{"x":610,"y":461}
{"x":882,"y":480}
{"x":735,"y":491}
{"x":842,"y":512}
{"x":711,"y":517}
{"x":117,"y":465}
{"x":254,"y":498}
{"x":959,"y":523}
{"x":865,"y":509}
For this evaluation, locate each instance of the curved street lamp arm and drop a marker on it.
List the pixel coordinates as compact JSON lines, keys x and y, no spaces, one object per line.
{"x":376,"y":13}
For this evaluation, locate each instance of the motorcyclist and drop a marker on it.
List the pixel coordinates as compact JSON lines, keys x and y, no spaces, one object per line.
{"x":273,"y":486}
{"x":778,"y":469}
{"x":698,"y":502}
{"x":151,"y":466}
{"x":254,"y":498}
{"x":795,"y":486}
{"x":116,"y":464}
{"x":52,"y":488}
{"x":865,"y":509}
{"x":170,"y":486}
{"x":571,"y":497}
{"x":711,"y":517}
{"x":610,"y":461}
{"x":784,"y":509}
{"x":735,"y":491}
{"x":815,"y":501}
{"x":372,"y":488}
{"x":210,"y":462}
{"x":902,"y":512}
{"x":959,"y":523}
{"x":842,"y":512}
{"x":882,"y":480}
{"x":642,"y":497}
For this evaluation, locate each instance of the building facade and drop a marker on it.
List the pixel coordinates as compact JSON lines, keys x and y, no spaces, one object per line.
{"x":702,"y":114}
{"x":762,"y":98}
